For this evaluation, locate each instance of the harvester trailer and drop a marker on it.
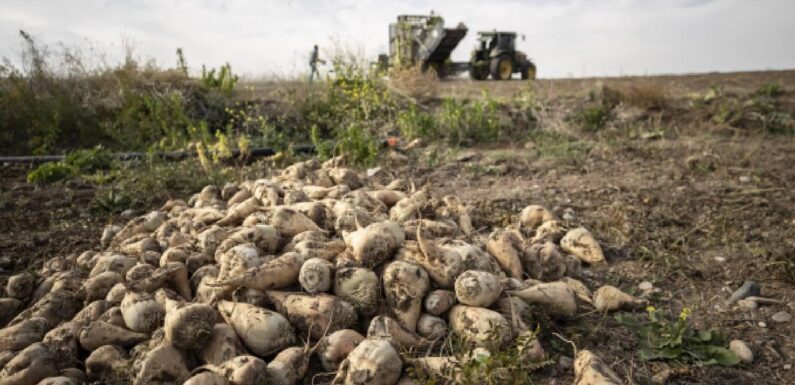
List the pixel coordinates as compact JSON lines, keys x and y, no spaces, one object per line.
{"x":423,"y":40}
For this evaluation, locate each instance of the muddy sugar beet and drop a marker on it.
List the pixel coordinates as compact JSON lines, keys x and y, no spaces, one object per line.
{"x":276,"y":279}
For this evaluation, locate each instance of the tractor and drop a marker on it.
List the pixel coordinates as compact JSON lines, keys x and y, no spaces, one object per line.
{"x":496,"y":55}
{"x":424,"y":41}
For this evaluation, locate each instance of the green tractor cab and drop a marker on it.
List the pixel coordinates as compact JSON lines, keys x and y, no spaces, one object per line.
{"x":496,"y":55}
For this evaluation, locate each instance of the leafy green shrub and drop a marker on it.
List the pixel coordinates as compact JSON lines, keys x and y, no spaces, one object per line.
{"x":351,"y":113}
{"x":89,"y":160}
{"x":755,"y":113}
{"x":51,"y":172}
{"x":53,"y":102}
{"x":360,"y":147}
{"x":592,"y":118}
{"x":663,"y":339}
{"x":469,"y":122}
{"x":222,"y":80}
{"x":770,"y":90}
{"x":558,"y":146}
{"x":414,"y":123}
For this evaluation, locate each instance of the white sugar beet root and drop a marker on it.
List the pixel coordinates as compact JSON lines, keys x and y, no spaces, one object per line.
{"x":105,"y":361}
{"x":431,"y":327}
{"x":264,"y":332}
{"x":439,"y":301}
{"x":164,"y":364}
{"x":316,"y":275}
{"x":554,"y":297}
{"x":20,"y":286}
{"x":288,"y":367}
{"x":275,"y":274}
{"x":582,"y":244}
{"x":19,"y":336}
{"x":533,"y":216}
{"x":372,"y":362}
{"x":242,"y":370}
{"x":589,"y":369}
{"x":405,"y":285}
{"x":334,"y":348}
{"x":33,"y":364}
{"x":375,"y":243}
{"x":224,"y":344}
{"x":609,"y":298}
{"x":358,"y":286}
{"x":390,"y":329}
{"x":100,"y":333}
{"x":316,"y":314}
{"x":478,"y":326}
{"x":477,"y":288}
{"x":207,"y":378}
{"x":141,"y":312}
{"x":505,"y":246}
{"x":190,"y":326}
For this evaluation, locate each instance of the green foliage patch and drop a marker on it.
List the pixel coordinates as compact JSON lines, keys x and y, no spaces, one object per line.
{"x":663,"y":339}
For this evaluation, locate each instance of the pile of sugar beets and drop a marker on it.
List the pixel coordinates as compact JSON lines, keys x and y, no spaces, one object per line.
{"x":318,"y":267}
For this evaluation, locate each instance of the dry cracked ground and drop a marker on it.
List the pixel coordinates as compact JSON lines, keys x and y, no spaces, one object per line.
{"x":696,"y":211}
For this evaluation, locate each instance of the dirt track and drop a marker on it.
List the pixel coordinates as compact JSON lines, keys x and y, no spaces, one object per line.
{"x":696,"y":214}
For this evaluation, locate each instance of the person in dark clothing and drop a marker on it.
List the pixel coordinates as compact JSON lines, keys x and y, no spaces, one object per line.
{"x":314,"y":58}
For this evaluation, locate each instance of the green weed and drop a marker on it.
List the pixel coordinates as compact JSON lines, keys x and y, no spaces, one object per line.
{"x":90,"y":160}
{"x":558,"y":146}
{"x":51,"y":172}
{"x":592,"y":118}
{"x":770,"y":90}
{"x":222,"y":80}
{"x":75,"y":163}
{"x":496,"y":365}
{"x":464,"y":123}
{"x":413,"y":122}
{"x":663,"y":339}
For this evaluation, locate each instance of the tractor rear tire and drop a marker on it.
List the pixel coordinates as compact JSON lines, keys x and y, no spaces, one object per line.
{"x":501,"y":67}
{"x":529,"y":71}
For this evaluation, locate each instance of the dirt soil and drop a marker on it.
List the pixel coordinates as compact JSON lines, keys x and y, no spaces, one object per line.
{"x":695,"y":214}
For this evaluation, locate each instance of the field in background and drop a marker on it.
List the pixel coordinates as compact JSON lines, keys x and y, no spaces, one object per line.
{"x":686,"y":180}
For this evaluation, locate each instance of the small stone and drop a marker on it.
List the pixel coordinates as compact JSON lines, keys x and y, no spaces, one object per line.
{"x":720,"y":259}
{"x":781,"y":317}
{"x":127,"y":214}
{"x":662,"y":376}
{"x":646,"y":286}
{"x":748,"y":289}
{"x":745,"y":179}
{"x":747,"y":304}
{"x":565,"y":363}
{"x":371,"y":172}
{"x":742,"y":351}
{"x":466,"y":156}
{"x":762,"y":324}
{"x":568,"y":214}
{"x":787,"y":366}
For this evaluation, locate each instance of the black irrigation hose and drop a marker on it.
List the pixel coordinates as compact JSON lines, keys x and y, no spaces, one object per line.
{"x":171,"y":155}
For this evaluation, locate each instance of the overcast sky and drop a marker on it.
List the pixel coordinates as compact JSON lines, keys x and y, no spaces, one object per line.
{"x":564,"y":37}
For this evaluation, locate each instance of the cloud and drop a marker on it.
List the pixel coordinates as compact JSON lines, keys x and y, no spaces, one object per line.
{"x":565,"y":37}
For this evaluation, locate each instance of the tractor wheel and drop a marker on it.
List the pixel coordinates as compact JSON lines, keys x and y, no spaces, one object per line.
{"x":478,"y":72}
{"x":501,"y":67}
{"x":529,"y":71}
{"x":441,"y":70}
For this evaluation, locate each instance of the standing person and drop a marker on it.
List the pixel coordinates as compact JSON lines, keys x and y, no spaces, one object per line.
{"x":313,"y":60}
